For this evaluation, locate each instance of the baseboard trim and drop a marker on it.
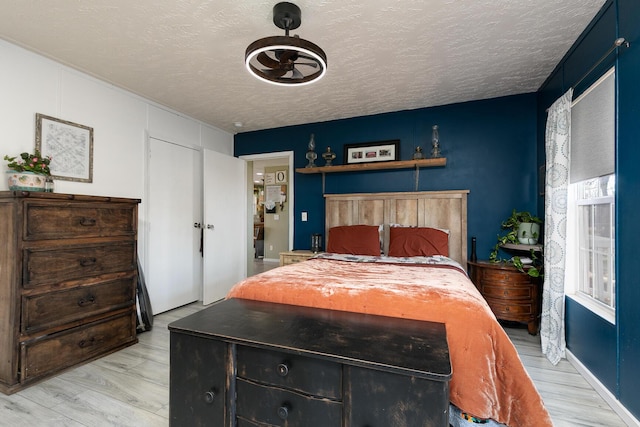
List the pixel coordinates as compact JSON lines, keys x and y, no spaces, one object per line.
{"x":611,"y":400}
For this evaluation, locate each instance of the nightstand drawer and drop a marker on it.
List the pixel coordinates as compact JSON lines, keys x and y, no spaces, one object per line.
{"x":52,"y":221}
{"x":499,"y":275}
{"x":504,"y":310}
{"x":293,"y":257}
{"x":43,"y":311}
{"x":525,"y":292}
{"x":264,"y":405}
{"x":311,"y":376}
{"x":49,"y":265}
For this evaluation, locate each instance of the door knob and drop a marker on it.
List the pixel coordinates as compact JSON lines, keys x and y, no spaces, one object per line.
{"x":209,"y":226}
{"x":197,"y":225}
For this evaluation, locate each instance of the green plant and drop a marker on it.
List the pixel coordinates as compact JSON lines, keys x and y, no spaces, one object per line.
{"x":27,"y":162}
{"x":510,"y":225}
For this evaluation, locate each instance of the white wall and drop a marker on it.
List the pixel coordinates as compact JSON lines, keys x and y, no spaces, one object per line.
{"x":121,"y":122}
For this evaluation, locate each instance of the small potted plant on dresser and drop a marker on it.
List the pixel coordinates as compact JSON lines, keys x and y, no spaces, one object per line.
{"x":522,"y":231}
{"x":28,"y":172}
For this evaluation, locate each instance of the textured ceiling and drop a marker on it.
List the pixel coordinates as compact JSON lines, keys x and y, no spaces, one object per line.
{"x":383,"y":56}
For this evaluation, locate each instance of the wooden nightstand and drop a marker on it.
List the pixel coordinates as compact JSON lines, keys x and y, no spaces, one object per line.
{"x":292,"y":257}
{"x":511,"y":294}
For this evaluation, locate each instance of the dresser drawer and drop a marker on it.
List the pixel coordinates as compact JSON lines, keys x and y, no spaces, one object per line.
{"x":524,"y":292}
{"x":311,"y":376}
{"x":48,"y":221}
{"x":510,"y":311}
{"x":264,"y":405}
{"x":57,"y":308}
{"x":43,"y":266}
{"x":59,"y":351}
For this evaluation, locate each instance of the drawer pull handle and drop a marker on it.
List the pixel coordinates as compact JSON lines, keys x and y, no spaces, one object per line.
{"x":87,"y":222}
{"x":87,"y":343}
{"x":210,"y":395}
{"x":283,"y":411}
{"x":506,"y":293}
{"x":83,"y":302}
{"x":86,"y":262}
{"x":283,"y":369}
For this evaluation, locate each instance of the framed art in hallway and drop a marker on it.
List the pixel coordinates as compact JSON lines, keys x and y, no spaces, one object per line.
{"x":381,"y":151}
{"x":70,"y":146}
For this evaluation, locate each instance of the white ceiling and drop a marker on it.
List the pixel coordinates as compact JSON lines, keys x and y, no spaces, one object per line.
{"x":383,"y":55}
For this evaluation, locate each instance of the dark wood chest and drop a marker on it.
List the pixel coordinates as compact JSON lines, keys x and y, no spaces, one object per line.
{"x":68,"y":276}
{"x":247,"y":363}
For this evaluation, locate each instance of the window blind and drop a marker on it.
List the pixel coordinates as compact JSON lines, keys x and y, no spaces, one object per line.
{"x":593,"y":131}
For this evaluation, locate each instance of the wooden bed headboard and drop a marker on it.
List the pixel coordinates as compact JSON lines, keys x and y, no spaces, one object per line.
{"x":439,"y":209}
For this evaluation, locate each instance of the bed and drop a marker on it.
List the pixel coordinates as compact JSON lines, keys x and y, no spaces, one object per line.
{"x":420,"y":275}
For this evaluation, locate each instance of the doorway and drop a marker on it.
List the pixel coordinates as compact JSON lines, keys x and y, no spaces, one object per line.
{"x":271,"y":213}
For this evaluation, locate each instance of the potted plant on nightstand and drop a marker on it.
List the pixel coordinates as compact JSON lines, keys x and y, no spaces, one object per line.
{"x":28,"y":172}
{"x":522,"y":228}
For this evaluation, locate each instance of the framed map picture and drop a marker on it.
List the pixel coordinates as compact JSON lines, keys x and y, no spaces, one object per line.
{"x":70,"y":146}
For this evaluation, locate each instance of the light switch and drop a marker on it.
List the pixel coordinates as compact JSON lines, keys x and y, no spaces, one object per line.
{"x":304,"y":216}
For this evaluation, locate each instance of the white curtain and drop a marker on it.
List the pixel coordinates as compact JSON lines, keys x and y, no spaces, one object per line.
{"x":557,"y":145}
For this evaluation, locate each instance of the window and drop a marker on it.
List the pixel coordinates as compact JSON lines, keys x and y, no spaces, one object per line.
{"x":595,"y":239}
{"x":591,"y":209}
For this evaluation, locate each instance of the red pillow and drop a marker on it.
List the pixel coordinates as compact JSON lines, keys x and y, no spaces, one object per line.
{"x":354,"y":240}
{"x":417,"y":241}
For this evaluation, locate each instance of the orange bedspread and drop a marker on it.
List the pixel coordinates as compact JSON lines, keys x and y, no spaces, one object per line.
{"x":488,"y":381}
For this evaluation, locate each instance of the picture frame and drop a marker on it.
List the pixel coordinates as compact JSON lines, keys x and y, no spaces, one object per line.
{"x":70,"y":146}
{"x":368,"y":152}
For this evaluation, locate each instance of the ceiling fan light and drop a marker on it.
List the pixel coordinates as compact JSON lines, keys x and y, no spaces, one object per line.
{"x":285,"y":43}
{"x":274,"y":59}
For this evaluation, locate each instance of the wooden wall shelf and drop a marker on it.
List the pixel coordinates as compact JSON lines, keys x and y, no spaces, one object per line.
{"x":400,"y":164}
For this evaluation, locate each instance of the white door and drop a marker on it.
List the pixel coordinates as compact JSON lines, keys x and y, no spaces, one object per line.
{"x":225,"y":222}
{"x":175,"y":205}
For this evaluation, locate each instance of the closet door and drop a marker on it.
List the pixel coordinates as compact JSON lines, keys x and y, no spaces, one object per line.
{"x":225,"y":222}
{"x":175,"y":205}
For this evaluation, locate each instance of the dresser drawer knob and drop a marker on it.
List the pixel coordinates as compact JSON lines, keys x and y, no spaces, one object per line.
{"x":87,"y":222}
{"x":210,"y":395}
{"x":83,"y":302}
{"x":283,"y":369}
{"x":283,"y":411}
{"x":86,"y":262}
{"x":506,"y":293}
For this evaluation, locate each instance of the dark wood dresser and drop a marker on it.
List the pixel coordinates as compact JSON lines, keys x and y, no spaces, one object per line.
{"x":248,"y":363}
{"x":511,"y":294}
{"x":68,"y":272}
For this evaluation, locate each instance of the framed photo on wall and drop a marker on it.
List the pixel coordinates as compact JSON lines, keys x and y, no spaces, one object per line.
{"x":70,"y":146}
{"x":381,"y":151}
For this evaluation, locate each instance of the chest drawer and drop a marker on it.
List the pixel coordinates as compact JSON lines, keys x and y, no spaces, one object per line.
{"x":524,"y":292}
{"x":65,"y":306}
{"x":59,"y":351}
{"x":264,"y":405}
{"x":46,"y":221}
{"x":311,"y":376}
{"x":43,"y":266}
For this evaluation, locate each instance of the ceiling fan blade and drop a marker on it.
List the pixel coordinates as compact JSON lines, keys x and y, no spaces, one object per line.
{"x":274,"y":72}
{"x":297,"y":74}
{"x":310,"y":58}
{"x":309,"y":64}
{"x":267,"y":61}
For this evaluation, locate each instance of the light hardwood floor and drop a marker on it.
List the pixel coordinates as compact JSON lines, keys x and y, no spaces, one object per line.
{"x":130,"y":387}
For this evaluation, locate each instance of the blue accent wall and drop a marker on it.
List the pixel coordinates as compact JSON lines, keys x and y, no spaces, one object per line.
{"x":490,"y":148}
{"x":610,"y":352}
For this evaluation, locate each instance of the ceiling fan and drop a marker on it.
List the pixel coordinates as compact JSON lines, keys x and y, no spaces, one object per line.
{"x":286,"y":60}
